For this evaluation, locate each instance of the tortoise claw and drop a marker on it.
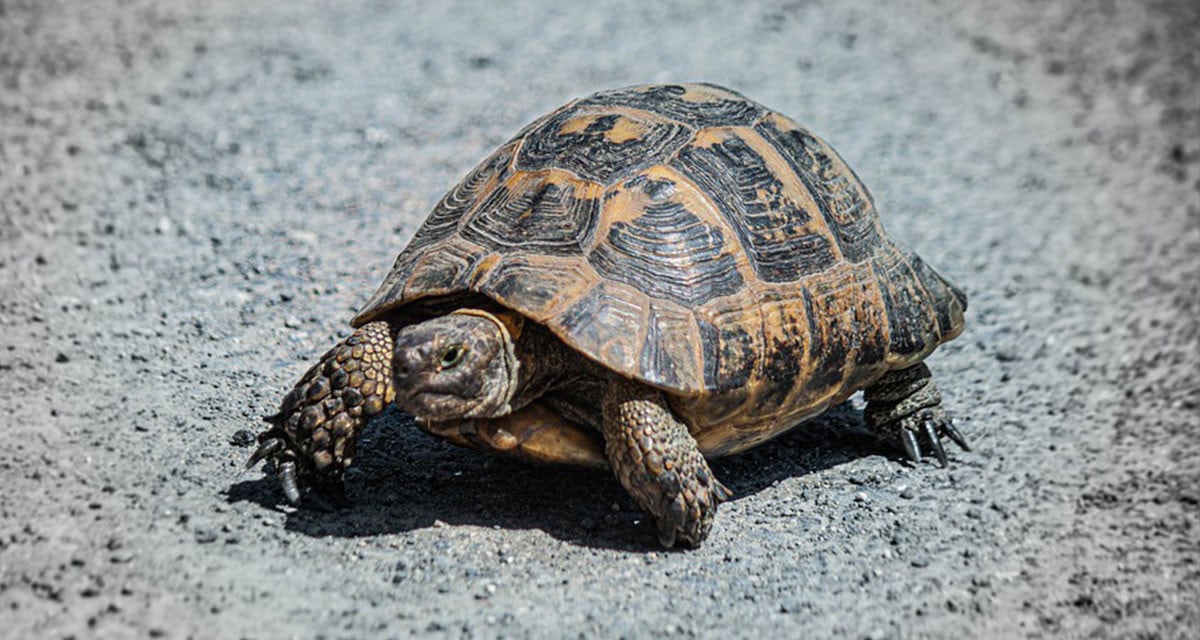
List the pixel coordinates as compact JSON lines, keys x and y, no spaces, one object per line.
{"x":287,"y":480}
{"x":911,"y":446}
{"x":955,"y":435}
{"x":905,"y":409}
{"x":932,"y":433}
{"x":311,"y":438}
{"x":721,"y":493}
{"x":666,"y":535}
{"x":672,"y":521}
{"x":267,"y":449}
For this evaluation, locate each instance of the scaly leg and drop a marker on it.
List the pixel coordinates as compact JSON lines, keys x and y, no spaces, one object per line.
{"x":659,"y":464}
{"x":312,"y":438}
{"x":904,"y":409}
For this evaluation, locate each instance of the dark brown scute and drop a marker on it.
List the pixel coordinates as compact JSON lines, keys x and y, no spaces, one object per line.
{"x":847,"y":326}
{"x":532,"y":285}
{"x":586,"y":141}
{"x":769,"y":224}
{"x":604,"y":323}
{"x":668,"y":253}
{"x":671,"y":353}
{"x":847,"y":208}
{"x":787,"y":340}
{"x":730,"y":354}
{"x":730,"y":109}
{"x":535,"y":213}
{"x":945,"y":295}
{"x":445,"y":271}
{"x":910,"y":314}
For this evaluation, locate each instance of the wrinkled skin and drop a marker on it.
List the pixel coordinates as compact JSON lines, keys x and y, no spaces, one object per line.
{"x":456,"y":366}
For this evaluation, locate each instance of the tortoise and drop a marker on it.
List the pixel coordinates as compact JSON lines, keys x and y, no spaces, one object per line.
{"x":643,"y":279}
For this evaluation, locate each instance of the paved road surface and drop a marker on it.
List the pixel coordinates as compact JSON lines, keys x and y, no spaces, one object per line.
{"x":194,"y":196}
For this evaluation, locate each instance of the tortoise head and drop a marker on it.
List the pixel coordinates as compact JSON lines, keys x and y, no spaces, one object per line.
{"x":461,"y":365}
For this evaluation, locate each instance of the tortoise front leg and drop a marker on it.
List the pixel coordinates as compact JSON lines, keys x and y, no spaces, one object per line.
{"x":904,"y":409}
{"x":659,"y":464}
{"x":312,"y":438}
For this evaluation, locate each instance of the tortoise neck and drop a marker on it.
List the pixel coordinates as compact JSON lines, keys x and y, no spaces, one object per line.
{"x":547,"y":365}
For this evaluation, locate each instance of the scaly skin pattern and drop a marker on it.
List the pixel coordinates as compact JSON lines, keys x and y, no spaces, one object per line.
{"x":904,"y":409}
{"x":658,"y":463}
{"x":313,"y":436}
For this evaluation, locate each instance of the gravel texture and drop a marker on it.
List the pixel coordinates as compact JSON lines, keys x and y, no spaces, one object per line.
{"x":195,"y":196}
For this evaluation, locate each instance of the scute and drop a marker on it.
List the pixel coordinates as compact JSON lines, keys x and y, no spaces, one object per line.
{"x":692,"y":239}
{"x":601,"y":143}
{"x":546,"y":213}
{"x":664,"y":238}
{"x":842,"y":200}
{"x":697,"y":105}
{"x":771,"y":211}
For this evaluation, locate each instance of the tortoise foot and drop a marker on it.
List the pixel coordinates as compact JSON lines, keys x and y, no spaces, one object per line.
{"x":312,"y":437}
{"x":659,"y":464}
{"x":905,"y":410}
{"x":684,"y":503}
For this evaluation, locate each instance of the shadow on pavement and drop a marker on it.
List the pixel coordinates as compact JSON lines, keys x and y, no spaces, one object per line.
{"x":404,"y":479}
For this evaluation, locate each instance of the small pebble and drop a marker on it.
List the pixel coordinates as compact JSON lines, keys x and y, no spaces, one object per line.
{"x":791,"y":606}
{"x":242,"y":438}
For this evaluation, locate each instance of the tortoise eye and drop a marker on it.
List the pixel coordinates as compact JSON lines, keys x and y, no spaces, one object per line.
{"x":452,"y":356}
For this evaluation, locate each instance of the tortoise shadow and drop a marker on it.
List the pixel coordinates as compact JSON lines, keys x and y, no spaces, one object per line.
{"x":404,"y":480}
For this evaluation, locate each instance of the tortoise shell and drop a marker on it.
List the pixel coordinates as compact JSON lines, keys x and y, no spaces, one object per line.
{"x":692,"y":239}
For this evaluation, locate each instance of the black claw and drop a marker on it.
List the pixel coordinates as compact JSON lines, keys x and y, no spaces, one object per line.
{"x":672,"y":520}
{"x":955,"y":435}
{"x":911,"y":447}
{"x":268,"y":448}
{"x":720,"y":492}
{"x":666,"y":535}
{"x":287,"y":480}
{"x":938,"y":450}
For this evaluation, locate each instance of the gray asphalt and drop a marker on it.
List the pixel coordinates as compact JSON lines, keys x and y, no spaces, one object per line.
{"x":195,"y":197}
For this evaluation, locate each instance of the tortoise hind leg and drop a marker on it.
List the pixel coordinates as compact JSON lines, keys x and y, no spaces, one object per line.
{"x":312,"y":438}
{"x":905,"y":410}
{"x":659,"y":464}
